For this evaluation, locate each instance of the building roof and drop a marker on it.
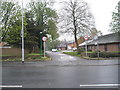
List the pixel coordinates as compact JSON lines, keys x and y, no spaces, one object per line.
{"x":104,"y":39}
{"x":109,"y":38}
{"x":70,"y":42}
{"x":3,"y":44}
{"x":84,"y":43}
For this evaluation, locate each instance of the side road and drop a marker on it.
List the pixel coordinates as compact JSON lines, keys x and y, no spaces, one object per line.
{"x":60,"y":59}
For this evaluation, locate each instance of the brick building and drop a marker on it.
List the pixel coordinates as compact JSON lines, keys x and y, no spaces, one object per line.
{"x":107,"y":43}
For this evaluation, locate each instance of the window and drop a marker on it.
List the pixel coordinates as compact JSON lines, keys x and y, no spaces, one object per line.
{"x":105,"y":46}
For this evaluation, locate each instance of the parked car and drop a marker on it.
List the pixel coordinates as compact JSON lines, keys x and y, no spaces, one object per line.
{"x":74,"y":49}
{"x":54,"y":50}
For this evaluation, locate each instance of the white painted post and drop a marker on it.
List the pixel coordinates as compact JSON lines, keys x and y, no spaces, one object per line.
{"x":44,"y":40}
{"x":86,"y":48}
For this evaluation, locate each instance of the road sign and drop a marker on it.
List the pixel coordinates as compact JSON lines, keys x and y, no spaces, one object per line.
{"x":44,"y":39}
{"x":86,"y":37}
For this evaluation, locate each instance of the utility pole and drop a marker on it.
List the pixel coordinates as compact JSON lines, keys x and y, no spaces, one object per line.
{"x":22,"y":36}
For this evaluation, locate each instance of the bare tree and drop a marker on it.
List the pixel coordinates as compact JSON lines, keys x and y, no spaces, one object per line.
{"x":76,"y":19}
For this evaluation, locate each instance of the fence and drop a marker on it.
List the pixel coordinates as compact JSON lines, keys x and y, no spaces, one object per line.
{"x":12,"y":51}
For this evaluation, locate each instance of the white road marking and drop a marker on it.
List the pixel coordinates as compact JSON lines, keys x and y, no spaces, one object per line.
{"x":95,"y":85}
{"x":60,"y":54}
{"x":71,"y":57}
{"x":61,"y":57}
{"x":11,"y":86}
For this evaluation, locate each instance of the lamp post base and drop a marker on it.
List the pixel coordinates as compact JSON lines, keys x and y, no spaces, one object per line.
{"x":22,"y":61}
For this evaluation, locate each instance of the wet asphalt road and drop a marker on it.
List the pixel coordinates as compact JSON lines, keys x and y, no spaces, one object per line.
{"x":63,"y":71}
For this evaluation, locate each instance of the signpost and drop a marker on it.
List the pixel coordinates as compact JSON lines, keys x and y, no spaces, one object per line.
{"x":44,"y":40}
{"x":86,"y":38}
{"x":97,"y":50}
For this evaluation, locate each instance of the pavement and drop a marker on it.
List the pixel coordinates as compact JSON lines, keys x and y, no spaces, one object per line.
{"x":63,"y":71}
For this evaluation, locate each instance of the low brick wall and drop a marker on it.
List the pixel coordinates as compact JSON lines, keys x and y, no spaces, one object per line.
{"x":12,"y":51}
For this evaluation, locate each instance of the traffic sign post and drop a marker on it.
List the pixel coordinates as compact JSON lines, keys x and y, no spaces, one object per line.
{"x":44,"y":40}
{"x":86,"y":38}
{"x":97,"y":49}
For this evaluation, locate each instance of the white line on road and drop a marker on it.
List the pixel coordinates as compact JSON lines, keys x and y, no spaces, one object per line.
{"x":61,"y":57}
{"x":11,"y":86}
{"x":71,"y":57}
{"x":95,"y":85}
{"x":60,"y":54}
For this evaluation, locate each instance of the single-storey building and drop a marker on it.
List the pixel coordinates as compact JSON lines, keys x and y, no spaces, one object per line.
{"x":72,"y":44}
{"x":107,"y":43}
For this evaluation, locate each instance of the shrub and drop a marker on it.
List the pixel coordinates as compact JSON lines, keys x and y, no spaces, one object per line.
{"x":80,"y":51}
{"x":104,"y":54}
{"x":92,"y":55}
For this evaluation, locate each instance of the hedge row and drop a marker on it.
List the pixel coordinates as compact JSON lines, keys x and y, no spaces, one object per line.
{"x":104,"y":54}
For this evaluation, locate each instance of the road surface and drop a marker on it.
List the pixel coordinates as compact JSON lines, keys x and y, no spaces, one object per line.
{"x":63,"y":71}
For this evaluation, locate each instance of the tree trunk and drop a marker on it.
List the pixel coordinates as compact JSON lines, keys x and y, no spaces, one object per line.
{"x":75,"y":32}
{"x":76,"y":41}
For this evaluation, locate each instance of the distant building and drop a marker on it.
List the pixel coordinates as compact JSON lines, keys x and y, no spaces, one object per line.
{"x":72,"y":44}
{"x":4,"y":45}
{"x":62,"y":46}
{"x":107,"y":43}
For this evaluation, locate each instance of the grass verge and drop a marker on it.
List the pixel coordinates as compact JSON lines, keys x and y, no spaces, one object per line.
{"x":78,"y":55}
{"x":72,"y":53}
{"x":28,"y":57}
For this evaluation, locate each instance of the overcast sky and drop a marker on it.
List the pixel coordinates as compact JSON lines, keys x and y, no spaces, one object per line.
{"x":101,"y":9}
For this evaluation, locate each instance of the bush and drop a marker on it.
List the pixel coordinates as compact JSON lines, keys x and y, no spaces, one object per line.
{"x":104,"y":54}
{"x":80,"y":51}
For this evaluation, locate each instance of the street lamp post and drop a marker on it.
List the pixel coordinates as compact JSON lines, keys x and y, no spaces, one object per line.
{"x":40,"y":42}
{"x":22,"y":32}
